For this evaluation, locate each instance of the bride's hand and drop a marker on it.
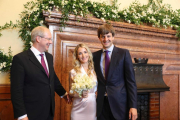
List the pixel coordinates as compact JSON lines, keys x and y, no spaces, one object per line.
{"x":85,"y":93}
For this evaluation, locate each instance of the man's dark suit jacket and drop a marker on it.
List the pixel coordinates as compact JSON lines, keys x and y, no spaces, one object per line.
{"x":32,"y":92}
{"x":120,"y":84}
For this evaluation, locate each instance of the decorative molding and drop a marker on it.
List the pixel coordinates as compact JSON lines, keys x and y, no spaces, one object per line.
{"x":119,"y":26}
{"x":173,"y":67}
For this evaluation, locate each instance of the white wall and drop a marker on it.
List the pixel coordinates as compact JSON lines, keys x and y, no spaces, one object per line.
{"x":10,"y":10}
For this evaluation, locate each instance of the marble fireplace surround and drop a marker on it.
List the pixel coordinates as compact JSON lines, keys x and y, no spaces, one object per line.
{"x":159,"y":45}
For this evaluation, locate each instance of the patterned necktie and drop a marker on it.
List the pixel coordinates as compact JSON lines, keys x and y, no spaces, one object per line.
{"x":43,"y":64}
{"x":107,"y":62}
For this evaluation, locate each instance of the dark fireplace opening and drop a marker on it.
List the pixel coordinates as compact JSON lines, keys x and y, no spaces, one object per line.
{"x":143,"y":106}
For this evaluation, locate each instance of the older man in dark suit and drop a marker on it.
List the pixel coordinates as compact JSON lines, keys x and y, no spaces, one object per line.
{"x":117,"y":91}
{"x":33,"y":80}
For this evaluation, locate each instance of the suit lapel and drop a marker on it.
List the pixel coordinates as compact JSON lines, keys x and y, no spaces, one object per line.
{"x":98,"y":68}
{"x":34,"y":60}
{"x":114,"y":60}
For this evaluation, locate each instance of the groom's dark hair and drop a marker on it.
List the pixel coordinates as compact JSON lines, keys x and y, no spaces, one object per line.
{"x":105,"y":29}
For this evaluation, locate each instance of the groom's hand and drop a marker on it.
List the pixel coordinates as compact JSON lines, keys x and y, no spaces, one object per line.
{"x":133,"y":114}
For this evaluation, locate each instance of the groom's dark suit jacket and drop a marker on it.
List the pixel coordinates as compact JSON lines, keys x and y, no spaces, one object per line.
{"x":32,"y":92}
{"x":120,"y":84}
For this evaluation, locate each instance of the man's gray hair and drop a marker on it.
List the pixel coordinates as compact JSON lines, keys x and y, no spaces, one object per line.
{"x":38,"y":31}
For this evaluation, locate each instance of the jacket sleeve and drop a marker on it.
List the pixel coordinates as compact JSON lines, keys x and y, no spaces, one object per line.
{"x":17,"y":83}
{"x":58,"y":86}
{"x":130,"y":81}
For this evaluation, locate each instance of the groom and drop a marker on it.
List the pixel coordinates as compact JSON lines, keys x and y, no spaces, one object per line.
{"x":34,"y":81}
{"x":117,"y":91}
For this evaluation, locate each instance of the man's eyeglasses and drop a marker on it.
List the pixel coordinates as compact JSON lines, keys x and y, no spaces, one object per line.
{"x":50,"y":39}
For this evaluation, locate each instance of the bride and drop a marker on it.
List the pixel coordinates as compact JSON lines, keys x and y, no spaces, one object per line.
{"x":83,"y":108}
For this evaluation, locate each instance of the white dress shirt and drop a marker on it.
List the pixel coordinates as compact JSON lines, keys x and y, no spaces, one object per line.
{"x":102,"y":62}
{"x":37,"y":54}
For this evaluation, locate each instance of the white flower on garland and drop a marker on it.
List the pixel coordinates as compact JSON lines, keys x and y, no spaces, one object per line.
{"x":2,"y":65}
{"x":81,"y":82}
{"x":31,"y":43}
{"x":129,"y":21}
{"x":41,"y":22}
{"x":51,"y":2}
{"x":103,"y":19}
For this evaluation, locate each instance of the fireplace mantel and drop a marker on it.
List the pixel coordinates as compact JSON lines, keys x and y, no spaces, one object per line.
{"x":149,"y":78}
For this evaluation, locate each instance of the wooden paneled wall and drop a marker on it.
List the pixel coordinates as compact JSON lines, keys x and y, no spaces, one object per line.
{"x":159,"y":45}
{"x":6,"y":109}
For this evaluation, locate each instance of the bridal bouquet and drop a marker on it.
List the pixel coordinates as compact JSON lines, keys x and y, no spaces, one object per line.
{"x":82,"y":82}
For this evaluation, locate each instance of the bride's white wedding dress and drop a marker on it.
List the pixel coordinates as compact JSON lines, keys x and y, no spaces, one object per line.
{"x":84,"y":108}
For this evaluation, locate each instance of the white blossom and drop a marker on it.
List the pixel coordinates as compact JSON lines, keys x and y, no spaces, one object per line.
{"x":176,"y":26}
{"x":75,"y":11}
{"x":31,"y":43}
{"x":150,"y":11}
{"x":49,"y":11}
{"x":81,"y":13}
{"x":129,"y":21}
{"x":103,"y":19}
{"x":51,"y":2}
{"x":165,"y":26}
{"x":114,"y":16}
{"x":124,"y":13}
{"x":66,"y":2}
{"x":2,"y":65}
{"x":80,"y":5}
{"x":139,"y":15}
{"x":94,"y":5}
{"x":115,"y":11}
{"x":143,"y":14}
{"x":153,"y":19}
{"x":136,"y":17}
{"x":127,"y":10}
{"x":57,"y":9}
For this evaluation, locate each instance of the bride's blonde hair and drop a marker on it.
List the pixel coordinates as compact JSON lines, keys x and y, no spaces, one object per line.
{"x":77,"y":63}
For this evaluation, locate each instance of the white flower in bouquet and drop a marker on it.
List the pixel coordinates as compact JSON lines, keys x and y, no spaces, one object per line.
{"x":82,"y":82}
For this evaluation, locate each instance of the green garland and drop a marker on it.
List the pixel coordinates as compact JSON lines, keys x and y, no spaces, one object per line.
{"x":5,"y":60}
{"x":154,"y":13}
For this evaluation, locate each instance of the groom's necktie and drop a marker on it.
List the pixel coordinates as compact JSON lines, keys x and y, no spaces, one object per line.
{"x":107,"y":62}
{"x":43,"y":64}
